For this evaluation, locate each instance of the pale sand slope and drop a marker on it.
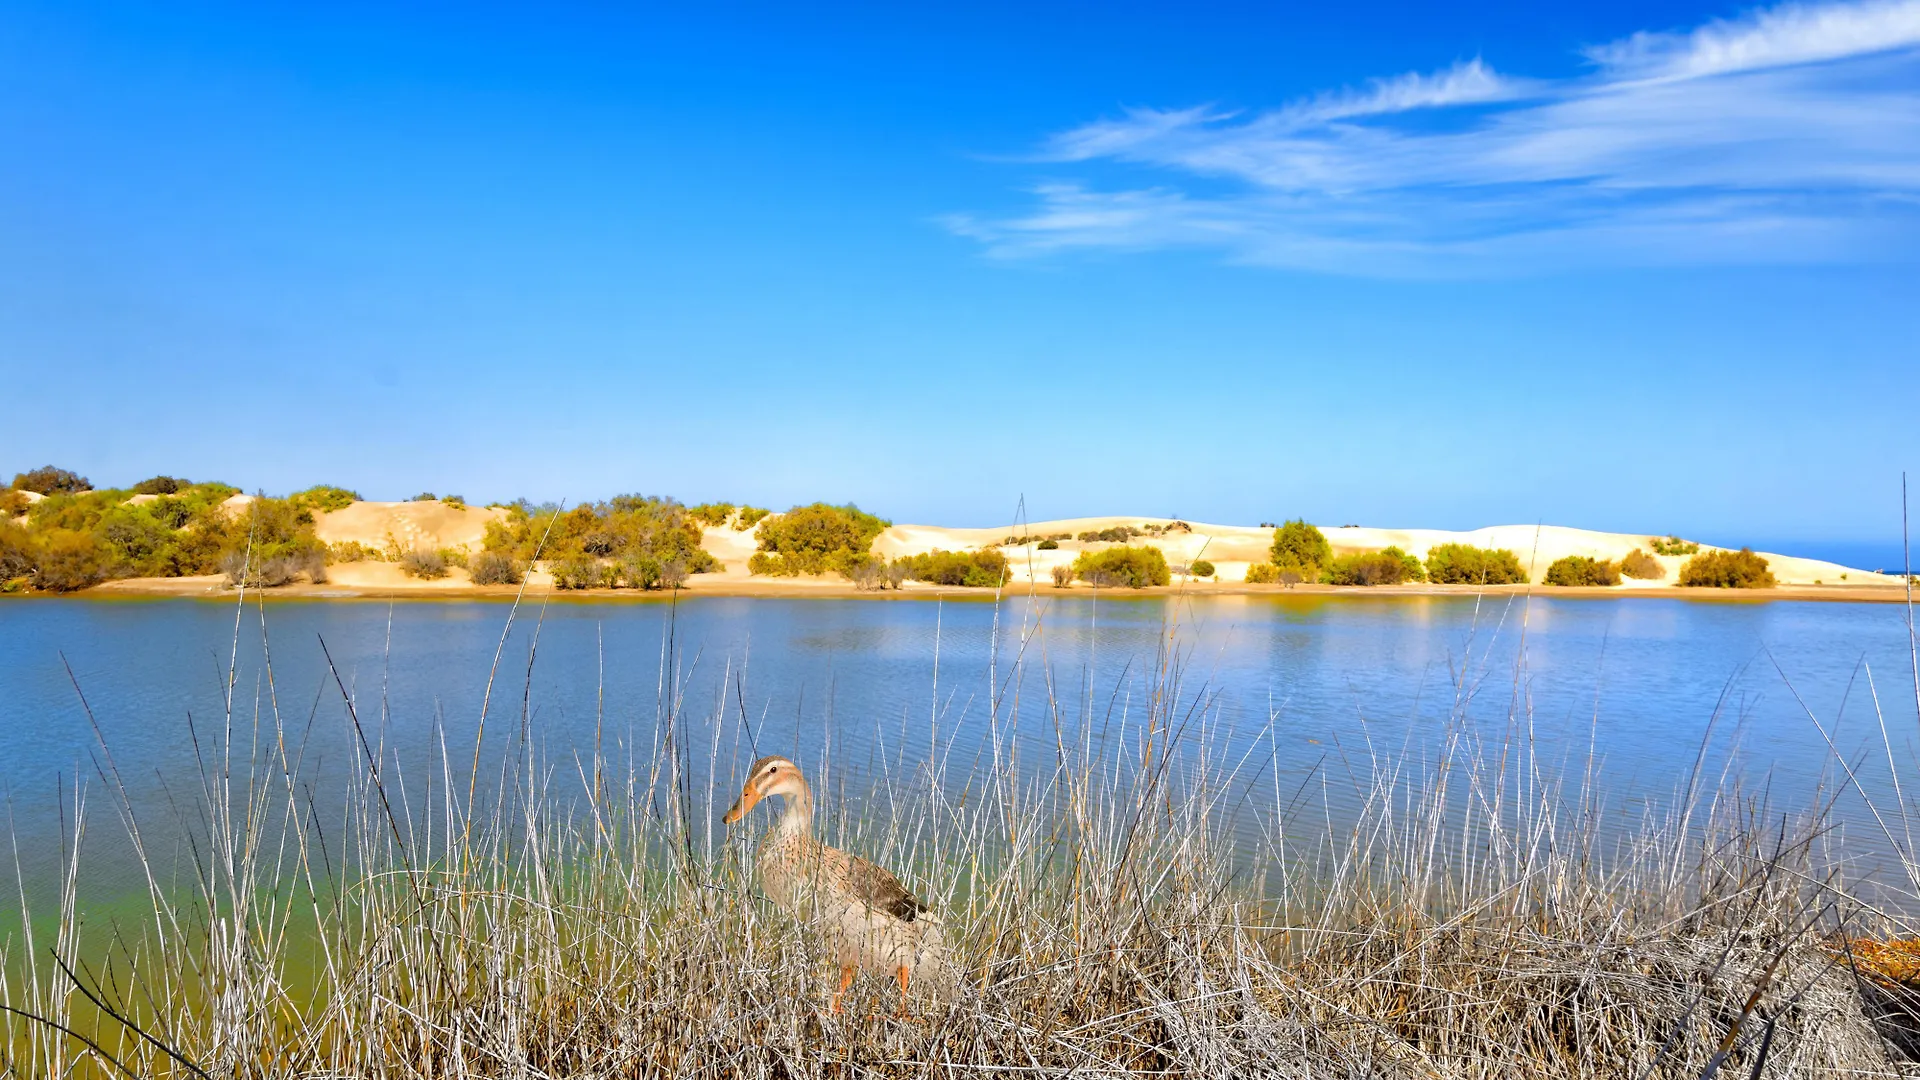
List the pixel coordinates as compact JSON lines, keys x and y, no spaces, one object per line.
{"x":1233,"y":548}
{"x":409,"y":525}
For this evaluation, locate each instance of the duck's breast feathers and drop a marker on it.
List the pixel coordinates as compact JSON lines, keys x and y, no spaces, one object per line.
{"x":877,"y":888}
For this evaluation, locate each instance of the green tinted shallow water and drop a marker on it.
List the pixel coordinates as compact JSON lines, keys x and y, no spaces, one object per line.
{"x":1316,"y":683}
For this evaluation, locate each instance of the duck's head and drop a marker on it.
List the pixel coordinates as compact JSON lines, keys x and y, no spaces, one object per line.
{"x":769,"y":776}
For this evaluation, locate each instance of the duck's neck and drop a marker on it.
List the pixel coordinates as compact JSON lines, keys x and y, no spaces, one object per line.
{"x":797,"y":819}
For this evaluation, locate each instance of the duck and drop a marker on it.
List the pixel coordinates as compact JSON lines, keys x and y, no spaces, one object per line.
{"x":870,"y":921}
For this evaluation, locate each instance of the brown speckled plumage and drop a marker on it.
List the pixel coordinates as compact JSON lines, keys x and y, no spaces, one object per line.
{"x":868,"y":918}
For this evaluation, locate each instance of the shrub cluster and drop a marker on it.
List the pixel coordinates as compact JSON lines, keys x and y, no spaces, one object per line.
{"x":749,"y":517}
{"x":1577,"y":570}
{"x":638,"y":526}
{"x":1201,"y":568}
{"x":1062,"y":576}
{"x":1388,"y":566}
{"x":493,"y":568}
{"x":630,"y":571}
{"x":1727,"y":570}
{"x":1046,"y":539}
{"x":424,"y":563}
{"x":1464,"y":564}
{"x":1266,"y":573}
{"x":1639,"y":564}
{"x":326,"y":498}
{"x":976,"y":569}
{"x":1132,"y":567}
{"x":1672,"y":545}
{"x":715,"y":514}
{"x":1118,"y":534}
{"x":816,"y":539}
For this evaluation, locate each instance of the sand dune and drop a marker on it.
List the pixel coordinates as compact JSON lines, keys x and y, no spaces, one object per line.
{"x":407,"y":525}
{"x":1232,"y":548}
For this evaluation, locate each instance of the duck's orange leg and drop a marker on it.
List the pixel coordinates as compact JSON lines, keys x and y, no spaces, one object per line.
{"x":900,"y":973}
{"x":846,"y":980}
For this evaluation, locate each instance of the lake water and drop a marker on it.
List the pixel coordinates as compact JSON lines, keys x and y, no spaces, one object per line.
{"x":1305,"y":691}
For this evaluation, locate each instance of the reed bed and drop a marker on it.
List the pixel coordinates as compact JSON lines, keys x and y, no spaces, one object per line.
{"x":577,"y":913}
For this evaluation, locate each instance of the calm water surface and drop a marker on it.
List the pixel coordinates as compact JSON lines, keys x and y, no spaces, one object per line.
{"x":1305,"y":687}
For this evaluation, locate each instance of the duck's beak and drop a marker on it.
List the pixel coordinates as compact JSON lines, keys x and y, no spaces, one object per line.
{"x":747,"y":798}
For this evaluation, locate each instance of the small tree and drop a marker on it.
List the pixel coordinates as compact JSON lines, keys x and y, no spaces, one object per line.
{"x":1299,"y":545}
{"x":493,"y":568}
{"x":1201,"y":568}
{"x":48,"y":480}
{"x":1388,"y":566}
{"x":423,"y":563}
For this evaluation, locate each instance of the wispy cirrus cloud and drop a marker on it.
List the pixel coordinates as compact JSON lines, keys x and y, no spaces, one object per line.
{"x":1792,"y":133}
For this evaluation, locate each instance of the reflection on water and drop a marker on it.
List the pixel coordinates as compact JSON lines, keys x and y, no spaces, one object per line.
{"x":1320,"y":683}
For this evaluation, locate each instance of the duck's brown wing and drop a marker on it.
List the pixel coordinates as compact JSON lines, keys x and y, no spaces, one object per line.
{"x":879,"y":889}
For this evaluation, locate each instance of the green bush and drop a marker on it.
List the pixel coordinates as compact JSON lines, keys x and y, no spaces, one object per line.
{"x":576,"y":572}
{"x":1577,"y":570}
{"x":493,"y":568}
{"x":13,"y":503}
{"x":1672,"y":545}
{"x":1728,"y":570}
{"x":1464,"y":564}
{"x":974,"y":569}
{"x":714,"y":514}
{"x":425,"y":496}
{"x":1201,"y":568}
{"x":749,"y":517}
{"x":1262,"y":573}
{"x":1132,"y":567}
{"x":458,"y":502}
{"x":17,"y":552}
{"x":1388,"y":566}
{"x":815,"y":539}
{"x":47,"y":480}
{"x":1639,"y":564}
{"x":160,"y":485}
{"x":1118,"y":534}
{"x":1300,"y":547}
{"x":1049,"y":544}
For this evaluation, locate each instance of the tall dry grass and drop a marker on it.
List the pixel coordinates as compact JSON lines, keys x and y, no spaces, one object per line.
{"x":1135,"y":892}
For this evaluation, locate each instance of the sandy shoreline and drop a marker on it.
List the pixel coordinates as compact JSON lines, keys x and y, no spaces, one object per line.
{"x":730,"y":585}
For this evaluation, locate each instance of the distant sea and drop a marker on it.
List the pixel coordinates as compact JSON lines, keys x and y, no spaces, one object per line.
{"x":1859,"y":554}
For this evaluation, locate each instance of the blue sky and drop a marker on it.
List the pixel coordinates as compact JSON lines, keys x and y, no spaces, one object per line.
{"x":1624,"y":266}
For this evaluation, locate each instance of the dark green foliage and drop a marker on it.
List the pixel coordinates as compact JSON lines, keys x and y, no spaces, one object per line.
{"x":423,"y":563}
{"x":714,"y":514}
{"x":160,"y":485}
{"x":1728,"y":570}
{"x":1580,"y":570}
{"x":48,"y":480}
{"x":1132,"y":567}
{"x":1672,"y":545}
{"x":1639,"y":564}
{"x":1464,"y":564}
{"x":458,"y":502}
{"x":1388,"y":566}
{"x":975,"y":569}
{"x":815,"y":539}
{"x":425,"y":496}
{"x":493,"y":568}
{"x":1049,"y":544}
{"x":1300,"y":547}
{"x":1201,"y":568}
{"x":622,"y":527}
{"x":750,"y":516}
{"x":1119,"y":534}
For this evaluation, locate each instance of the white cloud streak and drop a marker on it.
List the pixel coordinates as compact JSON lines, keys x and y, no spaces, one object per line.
{"x":1790,"y":134}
